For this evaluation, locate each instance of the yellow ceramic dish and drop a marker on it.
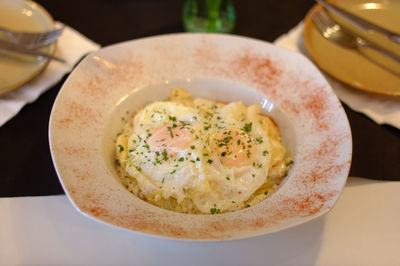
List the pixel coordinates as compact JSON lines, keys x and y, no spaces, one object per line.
{"x":365,"y":70}
{"x":16,"y":69}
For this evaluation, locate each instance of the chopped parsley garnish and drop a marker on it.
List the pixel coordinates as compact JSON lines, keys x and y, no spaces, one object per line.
{"x":162,"y":181}
{"x":172,"y":118}
{"x":121,"y":148}
{"x":198,"y":159}
{"x":138,"y":168}
{"x":289,"y":163}
{"x":227,"y":178}
{"x":165,"y":155}
{"x":265,"y":153}
{"x":248,"y":153}
{"x":181,"y":159}
{"x":173,"y":172}
{"x":170,"y":132}
{"x":257,"y":165}
{"x":209,"y":161}
{"x":147,"y":146}
{"x":117,"y":162}
{"x":266,"y":192}
{"x":192,"y":147}
{"x":215,"y":211}
{"x":223,"y":154}
{"x":247,"y":127}
{"x":259,"y":140}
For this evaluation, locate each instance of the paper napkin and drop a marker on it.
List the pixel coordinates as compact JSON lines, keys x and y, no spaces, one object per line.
{"x":71,"y":46}
{"x":381,"y":109}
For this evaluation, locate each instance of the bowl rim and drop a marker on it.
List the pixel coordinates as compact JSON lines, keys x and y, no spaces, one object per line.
{"x":102,"y":66}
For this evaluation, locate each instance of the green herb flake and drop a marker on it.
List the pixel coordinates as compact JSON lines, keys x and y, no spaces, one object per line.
{"x":121,"y":148}
{"x":289,"y":163}
{"x":247,"y":127}
{"x":209,"y":161}
{"x":173,"y":172}
{"x":215,"y":211}
{"x":181,"y":159}
{"x":266,"y":192}
{"x":192,"y":147}
{"x":172,"y":118}
{"x":248,"y":153}
{"x":265,"y":153}
{"x":165,"y":155}
{"x":170,"y":132}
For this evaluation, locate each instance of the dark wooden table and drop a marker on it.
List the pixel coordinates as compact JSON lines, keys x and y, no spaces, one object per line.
{"x":26,"y":165}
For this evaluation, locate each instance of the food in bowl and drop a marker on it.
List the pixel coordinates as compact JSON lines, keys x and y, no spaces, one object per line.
{"x":200,"y":156}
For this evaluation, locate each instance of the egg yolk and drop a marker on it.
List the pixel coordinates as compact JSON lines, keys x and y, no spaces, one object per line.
{"x":171,"y":137}
{"x":235,"y":148}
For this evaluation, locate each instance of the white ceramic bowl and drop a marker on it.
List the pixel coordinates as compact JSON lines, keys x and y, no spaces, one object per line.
{"x":88,"y":112}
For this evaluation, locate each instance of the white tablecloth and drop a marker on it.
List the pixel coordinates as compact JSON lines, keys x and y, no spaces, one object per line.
{"x":362,"y":229}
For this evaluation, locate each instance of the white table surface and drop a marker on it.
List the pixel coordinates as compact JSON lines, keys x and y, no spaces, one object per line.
{"x":362,"y":229}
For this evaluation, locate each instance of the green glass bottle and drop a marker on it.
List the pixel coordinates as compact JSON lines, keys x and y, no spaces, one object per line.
{"x":209,"y":16}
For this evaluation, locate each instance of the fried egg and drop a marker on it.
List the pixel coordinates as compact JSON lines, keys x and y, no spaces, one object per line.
{"x":207,"y":156}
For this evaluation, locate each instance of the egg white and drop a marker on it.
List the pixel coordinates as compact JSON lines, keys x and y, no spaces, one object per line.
{"x":196,"y":173}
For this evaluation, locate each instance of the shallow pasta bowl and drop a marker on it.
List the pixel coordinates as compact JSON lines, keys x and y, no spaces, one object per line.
{"x":92,"y":105}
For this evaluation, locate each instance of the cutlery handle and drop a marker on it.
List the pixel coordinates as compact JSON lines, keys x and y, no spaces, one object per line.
{"x":21,"y":50}
{"x":360,"y":22}
{"x":364,"y":43}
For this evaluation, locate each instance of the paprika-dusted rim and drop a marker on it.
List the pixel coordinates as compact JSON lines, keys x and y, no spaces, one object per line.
{"x":123,"y":77}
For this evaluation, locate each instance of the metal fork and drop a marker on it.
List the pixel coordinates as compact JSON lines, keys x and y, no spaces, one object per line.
{"x":32,"y":40}
{"x":344,"y":37}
